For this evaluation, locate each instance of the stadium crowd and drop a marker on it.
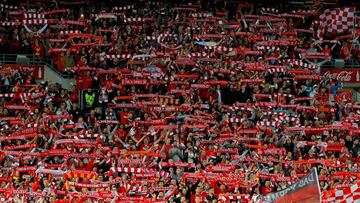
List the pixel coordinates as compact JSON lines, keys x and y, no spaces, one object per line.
{"x":182,"y":103}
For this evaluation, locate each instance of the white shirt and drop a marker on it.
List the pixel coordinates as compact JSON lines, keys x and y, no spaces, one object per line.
{"x":219,"y":96}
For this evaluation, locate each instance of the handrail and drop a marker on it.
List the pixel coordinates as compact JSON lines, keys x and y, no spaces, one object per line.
{"x":352,"y":63}
{"x":11,"y":59}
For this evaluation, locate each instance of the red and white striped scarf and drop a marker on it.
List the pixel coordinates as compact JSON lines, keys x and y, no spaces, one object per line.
{"x":88,"y":136}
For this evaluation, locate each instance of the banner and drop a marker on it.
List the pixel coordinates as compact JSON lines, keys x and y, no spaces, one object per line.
{"x":336,"y":21}
{"x":38,"y":71}
{"x":343,"y":193}
{"x":342,"y":75}
{"x":305,"y":190}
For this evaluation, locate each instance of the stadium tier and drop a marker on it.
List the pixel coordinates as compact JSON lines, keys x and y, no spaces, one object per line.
{"x":179,"y":102}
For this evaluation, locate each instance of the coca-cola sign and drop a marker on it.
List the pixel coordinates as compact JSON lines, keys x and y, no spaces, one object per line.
{"x":343,"y":75}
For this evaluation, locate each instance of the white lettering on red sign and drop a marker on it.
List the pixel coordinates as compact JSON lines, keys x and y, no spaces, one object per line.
{"x":344,"y":76}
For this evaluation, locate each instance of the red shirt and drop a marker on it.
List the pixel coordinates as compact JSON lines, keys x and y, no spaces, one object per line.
{"x":59,"y":63}
{"x":345,"y":53}
{"x":193,"y":196}
{"x":89,"y":166}
{"x":124,"y":117}
{"x":266,"y":190}
{"x":327,"y":51}
{"x":84,"y":82}
{"x":121,"y":133}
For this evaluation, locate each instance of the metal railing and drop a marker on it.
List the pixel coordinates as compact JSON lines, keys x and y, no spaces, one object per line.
{"x":352,"y":63}
{"x":33,"y":60}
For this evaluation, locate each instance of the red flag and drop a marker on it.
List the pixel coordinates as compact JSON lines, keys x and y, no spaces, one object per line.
{"x":339,"y":20}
